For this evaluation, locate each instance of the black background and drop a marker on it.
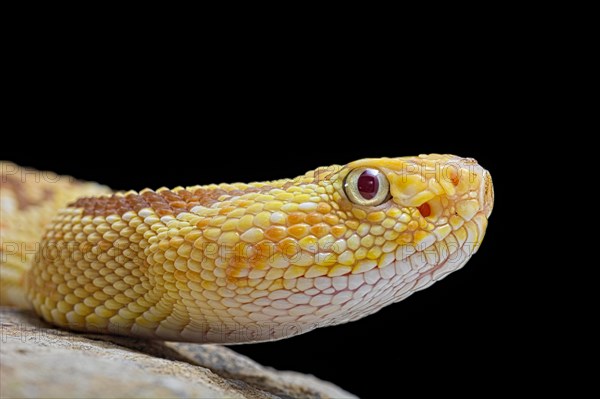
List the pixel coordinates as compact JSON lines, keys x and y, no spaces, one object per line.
{"x":439,"y":339}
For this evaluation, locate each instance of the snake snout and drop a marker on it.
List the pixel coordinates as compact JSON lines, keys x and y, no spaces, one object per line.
{"x":487,"y":193}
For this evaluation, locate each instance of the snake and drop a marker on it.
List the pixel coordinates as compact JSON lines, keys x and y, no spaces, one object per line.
{"x":237,"y":263}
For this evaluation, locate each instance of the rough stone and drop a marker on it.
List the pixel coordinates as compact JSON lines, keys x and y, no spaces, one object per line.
{"x":37,"y":360}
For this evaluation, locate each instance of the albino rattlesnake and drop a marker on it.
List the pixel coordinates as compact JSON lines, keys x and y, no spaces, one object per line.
{"x":234,"y":263}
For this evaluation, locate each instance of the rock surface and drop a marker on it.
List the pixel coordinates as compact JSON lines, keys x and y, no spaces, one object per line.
{"x":37,"y":360}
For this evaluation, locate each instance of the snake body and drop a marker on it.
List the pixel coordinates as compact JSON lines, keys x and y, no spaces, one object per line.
{"x":235,"y":263}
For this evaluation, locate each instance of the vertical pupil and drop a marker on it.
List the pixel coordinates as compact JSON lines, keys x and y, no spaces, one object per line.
{"x":368,"y":184}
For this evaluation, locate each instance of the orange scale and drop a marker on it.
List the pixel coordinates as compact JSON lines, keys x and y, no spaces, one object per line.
{"x":320,"y":230}
{"x":288,"y":246}
{"x":331,"y":219}
{"x":203,"y":223}
{"x":296,"y":218}
{"x":338,"y":231}
{"x":323,"y":208}
{"x":178,"y":204}
{"x":314,"y":218}
{"x":226,"y":210}
{"x":298,"y":230}
{"x":276,"y":233}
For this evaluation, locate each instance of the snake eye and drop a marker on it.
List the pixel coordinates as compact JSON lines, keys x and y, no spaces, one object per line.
{"x":367,"y":187}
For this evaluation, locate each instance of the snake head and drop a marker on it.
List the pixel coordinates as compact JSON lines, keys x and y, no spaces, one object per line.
{"x":410,"y":222}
